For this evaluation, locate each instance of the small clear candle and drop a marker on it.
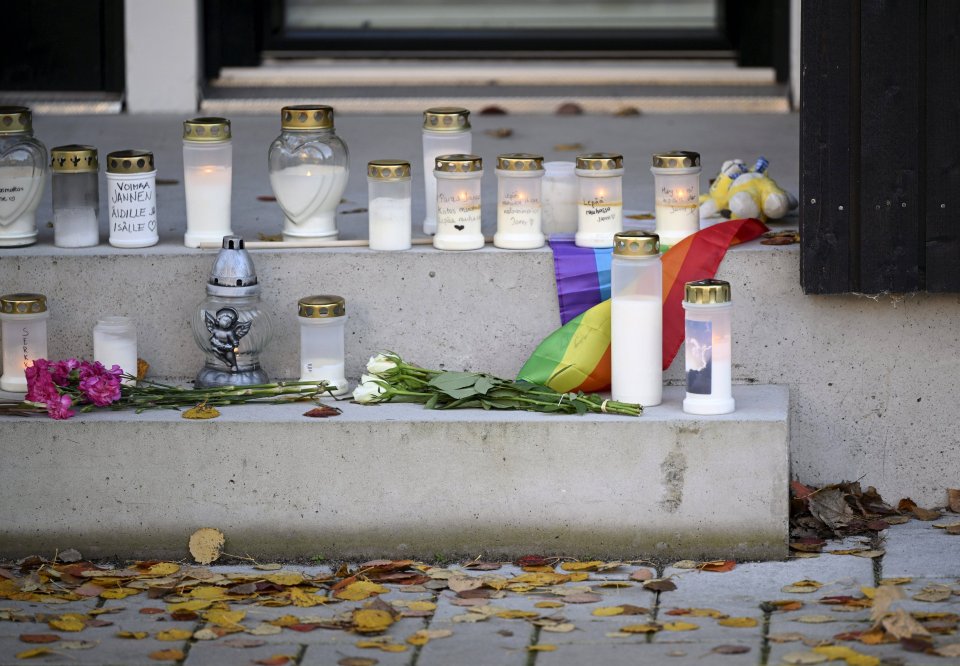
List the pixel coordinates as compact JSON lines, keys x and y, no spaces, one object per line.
{"x":446,"y":131}
{"x":23,"y":174}
{"x":600,"y":208}
{"x":519,"y":213}
{"x":76,"y":196}
{"x":132,"y":198}
{"x":389,"y":204}
{"x":636,"y":319}
{"x":676,"y":193}
{"x":115,"y":343}
{"x":458,"y":202}
{"x":207,"y":179}
{"x":23,"y":326}
{"x":560,"y":195}
{"x":322,"y":322}
{"x":708,"y":312}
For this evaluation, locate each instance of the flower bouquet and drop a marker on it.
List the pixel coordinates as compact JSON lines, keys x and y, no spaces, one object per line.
{"x":391,"y":379}
{"x":59,"y":388}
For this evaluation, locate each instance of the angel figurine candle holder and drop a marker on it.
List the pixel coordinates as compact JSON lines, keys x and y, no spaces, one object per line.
{"x":229,"y":326}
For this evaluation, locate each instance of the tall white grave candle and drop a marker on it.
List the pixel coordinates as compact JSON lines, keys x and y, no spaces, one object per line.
{"x":708,"y":309}
{"x":636,"y":318}
{"x":519,"y":213}
{"x":600,"y":209}
{"x":446,"y":131}
{"x":389,"y":190}
{"x":115,"y":343}
{"x":322,"y":322}
{"x":132,"y":198}
{"x":23,"y":325}
{"x":207,"y":179}
{"x":676,"y":185}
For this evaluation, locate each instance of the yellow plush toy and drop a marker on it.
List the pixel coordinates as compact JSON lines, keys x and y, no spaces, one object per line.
{"x":738,"y":192}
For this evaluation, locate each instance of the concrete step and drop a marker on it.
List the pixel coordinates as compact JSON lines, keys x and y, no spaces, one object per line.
{"x":400,"y":480}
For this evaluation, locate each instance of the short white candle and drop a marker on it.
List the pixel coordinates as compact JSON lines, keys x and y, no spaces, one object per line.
{"x":75,"y":227}
{"x":115,"y":343}
{"x":322,"y":327}
{"x":559,"y":197}
{"x":458,"y":203}
{"x":676,"y":184}
{"x":600,"y":209}
{"x":390,"y":224}
{"x":519,"y":213}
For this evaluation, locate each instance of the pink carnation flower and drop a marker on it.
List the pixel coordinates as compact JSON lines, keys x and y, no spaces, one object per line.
{"x":99,"y":385}
{"x":61,"y":370}
{"x":40,"y":384}
{"x":59,"y":407}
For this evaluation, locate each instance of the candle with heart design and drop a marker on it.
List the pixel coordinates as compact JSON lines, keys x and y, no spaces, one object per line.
{"x":458,"y":202}
{"x":23,"y":170}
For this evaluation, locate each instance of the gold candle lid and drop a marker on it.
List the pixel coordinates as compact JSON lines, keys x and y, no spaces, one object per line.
{"x":446,"y":119}
{"x":636,"y":243}
{"x":15,"y":119}
{"x":520,"y":162}
{"x":207,"y":130}
{"x":600,"y":161}
{"x":306,"y":117}
{"x":20,"y":304}
{"x":321,"y":306}
{"x":707,"y":292}
{"x":74,"y":159}
{"x":459,"y":163}
{"x":130,"y":161}
{"x":388,"y":169}
{"x":676,"y":159}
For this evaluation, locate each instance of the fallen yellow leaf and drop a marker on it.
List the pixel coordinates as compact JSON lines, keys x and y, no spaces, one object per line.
{"x":284,"y":621}
{"x":549,"y":604}
{"x":201,"y":411}
{"x":224,"y":618}
{"x":206,"y":544}
{"x":738,"y":622}
{"x":608,"y":611}
{"x":195,"y":605}
{"x":680,"y":626}
{"x":135,"y":635}
{"x":640,"y":629}
{"x":422,"y":606}
{"x":167,"y":655}
{"x":66,"y":623}
{"x":174,"y":635}
{"x":706,"y":612}
{"x":162,"y":569}
{"x":360,"y":590}
{"x":371,"y":621}
{"x":303,"y":600}
{"x":517,"y":614}
{"x":542,"y":579}
{"x":542,"y":647}
{"x":852,"y":657}
{"x":118,"y":593}
{"x":581,"y":566}
{"x":386,"y":647}
{"x":285,"y":578}
{"x":35,"y":652}
{"x":210,"y":592}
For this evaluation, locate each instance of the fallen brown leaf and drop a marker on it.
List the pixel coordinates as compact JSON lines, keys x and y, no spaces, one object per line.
{"x":323,"y":411}
{"x":953,"y":499}
{"x":731,"y":649}
{"x":499,"y":132}
{"x":39,"y":638}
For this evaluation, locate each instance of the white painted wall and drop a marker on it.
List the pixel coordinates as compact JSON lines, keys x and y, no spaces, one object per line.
{"x":162,"y":44}
{"x":795,"y":53}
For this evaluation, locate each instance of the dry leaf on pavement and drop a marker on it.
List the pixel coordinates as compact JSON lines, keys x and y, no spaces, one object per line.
{"x":202,"y":411}
{"x":206,"y":545}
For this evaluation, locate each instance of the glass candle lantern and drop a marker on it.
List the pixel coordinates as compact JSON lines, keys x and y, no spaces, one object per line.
{"x":600,"y":208}
{"x":676,"y":193}
{"x":76,"y":196}
{"x":636,"y":318}
{"x":132,"y":198}
{"x":559,"y":196}
{"x":446,"y":131}
{"x":322,"y":322}
{"x":389,"y":190}
{"x":207,"y":178}
{"x":23,"y":325}
{"x":308,"y":171}
{"x":708,"y":311}
{"x":458,"y":202}
{"x":115,"y":343}
{"x":519,"y":219}
{"x":23,"y":169}
{"x":229,"y":326}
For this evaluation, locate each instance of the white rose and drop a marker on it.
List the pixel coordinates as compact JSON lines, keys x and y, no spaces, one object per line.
{"x":380,"y":364}
{"x":367,"y":392}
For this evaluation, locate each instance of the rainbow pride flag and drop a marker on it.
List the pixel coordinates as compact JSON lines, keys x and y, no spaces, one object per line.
{"x":576,"y":357}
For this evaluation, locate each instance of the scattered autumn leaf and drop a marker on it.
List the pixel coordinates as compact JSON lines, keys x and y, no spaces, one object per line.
{"x":67,"y":623}
{"x":642,"y":574}
{"x":202,"y":411}
{"x":276,"y":660}
{"x":135,"y":635}
{"x":386,"y":647}
{"x":369,"y":621}
{"x":849,"y":655}
{"x":360,"y":590}
{"x":323,"y":411}
{"x":738,"y":622}
{"x":660,"y":585}
{"x":167,"y":655}
{"x":174,"y":635}
{"x":206,"y":544}
{"x":718,"y":566}
{"x":680,"y":626}
{"x":802,"y":587}
{"x":34,"y":652}
{"x":607,"y":611}
{"x":499,"y":132}
{"x":794,"y":658}
{"x":39,"y":638}
{"x":542,"y":647}
{"x":640,"y":629}
{"x":731,"y":649}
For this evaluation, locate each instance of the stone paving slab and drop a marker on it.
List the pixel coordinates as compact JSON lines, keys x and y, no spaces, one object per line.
{"x":918,"y":549}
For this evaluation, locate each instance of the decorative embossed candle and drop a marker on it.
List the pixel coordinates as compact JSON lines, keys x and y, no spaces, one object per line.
{"x":600,"y":209}
{"x":115,"y":343}
{"x":132,"y":198}
{"x":676,"y":193}
{"x":446,"y":131}
{"x":76,"y":196}
{"x":308,"y":171}
{"x":207,"y":177}
{"x":519,"y":176}
{"x":23,"y":170}
{"x":322,"y":322}
{"x":458,"y":202}
{"x":388,"y":203}
{"x":23,"y":325}
{"x":708,"y":310}
{"x":636,"y":319}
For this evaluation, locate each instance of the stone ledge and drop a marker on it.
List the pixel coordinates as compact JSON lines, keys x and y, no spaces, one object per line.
{"x":400,"y":480}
